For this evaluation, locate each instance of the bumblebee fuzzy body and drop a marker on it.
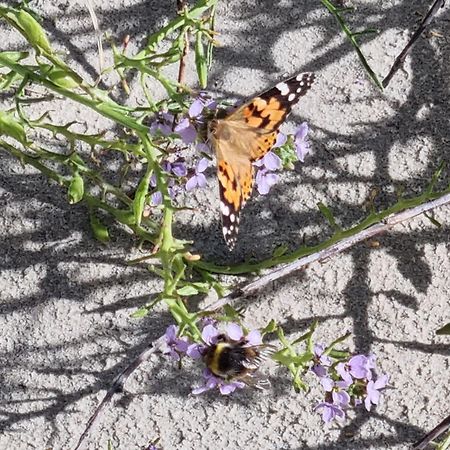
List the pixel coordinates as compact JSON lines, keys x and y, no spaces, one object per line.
{"x":235,"y":360}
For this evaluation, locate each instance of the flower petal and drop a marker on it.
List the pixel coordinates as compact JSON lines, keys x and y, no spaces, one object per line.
{"x":302,"y":131}
{"x":186,"y":131}
{"x":234,"y":331}
{"x":200,"y":390}
{"x":227,"y":389}
{"x":157,"y":198}
{"x":209,"y":334}
{"x":272,"y":161}
{"x":195,"y":351}
{"x":202,"y":165}
{"x":192,"y":183}
{"x":179,"y":169}
{"x":201,"y":180}
{"x":281,"y":140}
{"x":381,"y":382}
{"x":327,"y":383}
{"x":196,"y":108}
{"x":203,"y":148}
{"x":254,"y":337}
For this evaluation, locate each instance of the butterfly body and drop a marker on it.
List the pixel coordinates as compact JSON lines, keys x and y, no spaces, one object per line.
{"x":244,"y":136}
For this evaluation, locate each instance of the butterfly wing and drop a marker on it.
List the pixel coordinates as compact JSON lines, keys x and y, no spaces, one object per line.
{"x":245,"y":136}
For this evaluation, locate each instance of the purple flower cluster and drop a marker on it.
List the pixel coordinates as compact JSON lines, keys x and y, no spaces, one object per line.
{"x":271,"y":162}
{"x":346,"y":384}
{"x":174,"y":347}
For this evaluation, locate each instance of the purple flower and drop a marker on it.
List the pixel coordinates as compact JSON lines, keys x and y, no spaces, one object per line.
{"x":269,"y":161}
{"x":186,"y":131}
{"x":209,"y":337}
{"x":341,"y":369}
{"x":302,"y":145}
{"x":331,"y":411}
{"x":322,"y":362}
{"x":198,"y":179}
{"x":341,"y":398}
{"x":203,"y":148}
{"x":179,"y":169}
{"x":196,"y":108}
{"x":212,"y":382}
{"x":201,"y":102}
{"x":171,"y":345}
{"x":156,"y":198}
{"x":265,"y":180}
{"x":162,"y":124}
{"x":373,"y":391}
{"x":359,"y":367}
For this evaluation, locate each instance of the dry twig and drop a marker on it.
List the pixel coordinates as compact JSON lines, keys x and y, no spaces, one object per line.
{"x":398,"y":63}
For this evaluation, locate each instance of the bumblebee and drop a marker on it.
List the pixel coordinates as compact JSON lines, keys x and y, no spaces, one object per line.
{"x":237,"y":360}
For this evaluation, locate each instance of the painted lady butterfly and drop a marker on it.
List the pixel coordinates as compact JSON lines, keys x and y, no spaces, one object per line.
{"x":244,"y":136}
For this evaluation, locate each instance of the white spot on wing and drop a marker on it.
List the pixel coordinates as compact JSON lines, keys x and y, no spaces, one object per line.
{"x":232,"y":217}
{"x":291,"y":97}
{"x":283,"y":88}
{"x":224,"y":209}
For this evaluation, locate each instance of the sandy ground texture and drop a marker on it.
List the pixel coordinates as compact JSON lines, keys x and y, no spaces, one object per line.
{"x":66,"y":300}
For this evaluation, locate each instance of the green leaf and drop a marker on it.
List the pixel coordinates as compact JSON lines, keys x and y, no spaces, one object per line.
{"x":15,"y":56}
{"x":99,"y":230}
{"x":444,"y":330}
{"x":326,"y":212}
{"x":271,"y":327}
{"x":32,"y":31}
{"x":141,"y":312}
{"x":187,"y":291}
{"x":280,"y":251}
{"x":10,"y":126}
{"x":64,"y":78}
{"x":201,"y":60}
{"x":124,"y":216}
{"x":76,"y":189}
{"x":141,"y":195}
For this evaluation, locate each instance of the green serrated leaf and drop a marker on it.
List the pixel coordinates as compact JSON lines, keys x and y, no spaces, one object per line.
{"x":10,"y":126}
{"x":326,"y":212}
{"x":280,"y":251}
{"x":271,"y":327}
{"x":444,"y":330}
{"x":15,"y":56}
{"x":187,"y":290}
{"x":33,"y":31}
{"x":76,"y":189}
{"x":99,"y":230}
{"x":141,"y":312}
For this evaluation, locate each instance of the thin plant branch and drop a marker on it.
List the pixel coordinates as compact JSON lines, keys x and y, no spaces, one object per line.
{"x":98,"y":35}
{"x":399,"y":61}
{"x":433,"y":434}
{"x":254,"y":286}
{"x":117,"y":386}
{"x":181,"y":7}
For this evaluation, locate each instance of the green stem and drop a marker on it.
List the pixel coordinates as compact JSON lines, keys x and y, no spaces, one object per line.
{"x":372,"y":219}
{"x":352,"y":38}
